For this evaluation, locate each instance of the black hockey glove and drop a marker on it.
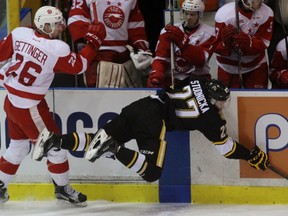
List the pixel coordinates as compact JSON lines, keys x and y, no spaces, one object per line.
{"x":258,"y":159}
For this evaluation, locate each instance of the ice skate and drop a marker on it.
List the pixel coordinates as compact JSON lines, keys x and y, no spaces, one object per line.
{"x":68,"y":194}
{"x":46,"y":140}
{"x":4,"y":197}
{"x":101,"y":145}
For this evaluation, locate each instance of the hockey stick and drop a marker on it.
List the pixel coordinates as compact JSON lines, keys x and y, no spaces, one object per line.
{"x":275,"y":170}
{"x":238,"y":51}
{"x":172,"y":54}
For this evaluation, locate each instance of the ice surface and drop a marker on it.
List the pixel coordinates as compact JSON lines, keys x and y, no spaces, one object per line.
{"x":103,"y":208}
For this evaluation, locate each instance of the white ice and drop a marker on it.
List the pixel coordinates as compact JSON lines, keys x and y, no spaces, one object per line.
{"x":103,"y":208}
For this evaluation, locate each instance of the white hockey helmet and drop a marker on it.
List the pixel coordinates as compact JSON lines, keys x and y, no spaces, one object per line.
{"x":193,"y":5}
{"x":48,"y":15}
{"x":249,"y":3}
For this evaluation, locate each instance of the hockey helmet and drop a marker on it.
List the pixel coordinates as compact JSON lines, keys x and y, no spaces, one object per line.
{"x":249,"y":3}
{"x":218,"y":93}
{"x":193,"y":5}
{"x":48,"y":15}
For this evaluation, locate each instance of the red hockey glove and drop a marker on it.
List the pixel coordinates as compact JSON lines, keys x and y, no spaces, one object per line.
{"x":227,"y":35}
{"x":243,"y":41}
{"x":96,"y":34}
{"x":258,"y":159}
{"x":155,"y":79}
{"x":175,"y":35}
{"x":281,"y":78}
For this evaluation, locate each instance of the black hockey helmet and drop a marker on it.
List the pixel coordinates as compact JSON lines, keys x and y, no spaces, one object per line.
{"x":218,"y":91}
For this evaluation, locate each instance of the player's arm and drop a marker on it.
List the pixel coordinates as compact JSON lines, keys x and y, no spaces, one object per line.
{"x":73,"y":63}
{"x":257,"y":43}
{"x":231,"y":149}
{"x":79,"y":20}
{"x":279,"y":71}
{"x":6,"y":48}
{"x":160,"y":63}
{"x":137,"y":36}
{"x":193,"y":54}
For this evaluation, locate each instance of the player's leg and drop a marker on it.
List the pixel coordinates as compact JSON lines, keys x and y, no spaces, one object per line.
{"x":47,"y":140}
{"x":57,"y":160}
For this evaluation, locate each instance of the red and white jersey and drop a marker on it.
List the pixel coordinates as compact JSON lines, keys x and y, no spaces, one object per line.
{"x":201,"y":35}
{"x":258,"y":24}
{"x":279,"y":60}
{"x":33,"y":61}
{"x":122,"y":18}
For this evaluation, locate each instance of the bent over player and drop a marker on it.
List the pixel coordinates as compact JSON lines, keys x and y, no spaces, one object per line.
{"x":195,"y":105}
{"x":36,"y":55}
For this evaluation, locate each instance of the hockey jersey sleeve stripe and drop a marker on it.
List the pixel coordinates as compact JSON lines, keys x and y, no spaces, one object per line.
{"x":78,"y":18}
{"x":133,"y":25}
{"x":225,"y":147}
{"x":23,"y":94}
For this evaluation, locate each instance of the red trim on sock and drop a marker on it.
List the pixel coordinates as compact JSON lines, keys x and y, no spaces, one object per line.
{"x":7,"y":167}
{"x":58,"y":168}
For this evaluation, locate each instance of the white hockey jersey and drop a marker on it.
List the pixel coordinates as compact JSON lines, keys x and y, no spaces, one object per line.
{"x":259,"y":25}
{"x":34,"y":60}
{"x":202,"y":35}
{"x":122,"y":18}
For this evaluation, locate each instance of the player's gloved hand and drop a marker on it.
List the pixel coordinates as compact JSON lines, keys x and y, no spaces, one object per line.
{"x":258,"y":159}
{"x":175,"y":35}
{"x":155,"y":79}
{"x":141,"y":59}
{"x":227,"y":35}
{"x":96,"y":34}
{"x":281,"y":78}
{"x":243,"y":41}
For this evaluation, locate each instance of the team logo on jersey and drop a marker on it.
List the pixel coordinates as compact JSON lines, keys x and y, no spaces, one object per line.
{"x":266,"y":126}
{"x":113,"y":17}
{"x":181,"y":65}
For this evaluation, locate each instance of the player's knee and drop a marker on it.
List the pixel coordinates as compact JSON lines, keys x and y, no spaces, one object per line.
{"x":152,"y":173}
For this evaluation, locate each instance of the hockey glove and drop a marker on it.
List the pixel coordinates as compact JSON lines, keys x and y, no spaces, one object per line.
{"x":258,"y":159}
{"x":141,"y":59}
{"x":175,"y":35}
{"x":96,"y":34}
{"x":243,"y":41}
{"x":155,"y":79}
{"x":281,"y":78}
{"x":227,"y":35}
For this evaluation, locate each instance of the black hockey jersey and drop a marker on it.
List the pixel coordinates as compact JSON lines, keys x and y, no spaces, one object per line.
{"x":187,"y":107}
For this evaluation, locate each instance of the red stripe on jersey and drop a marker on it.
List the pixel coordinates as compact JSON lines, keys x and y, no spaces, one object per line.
{"x":23,"y":94}
{"x":114,"y":43}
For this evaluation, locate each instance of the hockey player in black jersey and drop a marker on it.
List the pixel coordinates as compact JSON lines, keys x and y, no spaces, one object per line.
{"x":195,"y":105}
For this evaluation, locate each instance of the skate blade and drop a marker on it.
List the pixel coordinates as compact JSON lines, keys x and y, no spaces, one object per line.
{"x":66,"y":203}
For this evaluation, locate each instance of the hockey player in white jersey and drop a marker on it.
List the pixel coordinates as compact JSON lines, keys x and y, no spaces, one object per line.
{"x":35,"y":56}
{"x":279,"y":66}
{"x":243,"y":39}
{"x":124,"y":23}
{"x":192,"y":40}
